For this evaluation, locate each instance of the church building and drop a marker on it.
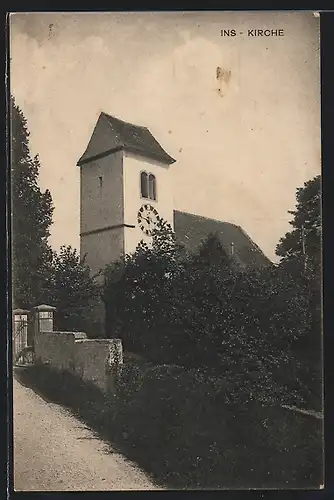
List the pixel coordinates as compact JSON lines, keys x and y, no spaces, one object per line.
{"x":125,"y":184}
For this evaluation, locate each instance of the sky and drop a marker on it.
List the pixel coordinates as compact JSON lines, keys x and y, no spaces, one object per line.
{"x":244,"y":136}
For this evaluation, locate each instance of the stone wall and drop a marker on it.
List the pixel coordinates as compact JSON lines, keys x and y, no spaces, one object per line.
{"x":93,"y":360}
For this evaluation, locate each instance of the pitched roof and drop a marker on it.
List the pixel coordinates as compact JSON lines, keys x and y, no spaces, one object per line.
{"x":191,"y":230}
{"x":112,"y":134}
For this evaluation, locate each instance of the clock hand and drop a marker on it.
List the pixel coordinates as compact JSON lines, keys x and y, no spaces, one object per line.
{"x":148,"y":219}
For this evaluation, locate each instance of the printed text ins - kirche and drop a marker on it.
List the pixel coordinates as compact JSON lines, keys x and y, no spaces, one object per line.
{"x":253,"y":32}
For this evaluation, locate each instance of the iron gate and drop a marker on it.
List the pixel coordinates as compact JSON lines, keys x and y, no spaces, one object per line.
{"x":22,"y":352}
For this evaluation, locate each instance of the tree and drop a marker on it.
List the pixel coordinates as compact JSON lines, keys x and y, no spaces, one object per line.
{"x":211,"y":252}
{"x":303,"y":244}
{"x":139,"y":287}
{"x":70,"y":288}
{"x":32,"y":212}
{"x":300,"y":252}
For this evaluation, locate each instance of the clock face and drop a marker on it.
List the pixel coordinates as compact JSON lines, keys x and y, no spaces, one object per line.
{"x":147,"y":218}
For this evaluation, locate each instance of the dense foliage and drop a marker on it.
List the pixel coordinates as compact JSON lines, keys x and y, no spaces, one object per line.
{"x":31,"y":217}
{"x":204,"y":311}
{"x":237,"y":445}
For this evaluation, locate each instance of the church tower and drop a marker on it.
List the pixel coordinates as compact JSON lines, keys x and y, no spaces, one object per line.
{"x":125,"y":183}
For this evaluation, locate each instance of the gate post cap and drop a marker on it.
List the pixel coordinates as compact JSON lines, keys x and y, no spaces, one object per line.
{"x":20,"y":311}
{"x":44,"y":307}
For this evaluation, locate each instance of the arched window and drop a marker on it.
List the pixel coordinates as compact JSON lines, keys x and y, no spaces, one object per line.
{"x":148,"y":186}
{"x":144,"y":184}
{"x":152,"y":190}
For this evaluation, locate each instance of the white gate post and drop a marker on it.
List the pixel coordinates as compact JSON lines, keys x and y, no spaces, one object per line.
{"x":43,"y":322}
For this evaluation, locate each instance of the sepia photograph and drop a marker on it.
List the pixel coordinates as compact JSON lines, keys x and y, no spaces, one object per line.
{"x":166,"y":249}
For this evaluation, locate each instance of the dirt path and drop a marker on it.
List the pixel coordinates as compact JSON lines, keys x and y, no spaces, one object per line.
{"x":53,"y":451}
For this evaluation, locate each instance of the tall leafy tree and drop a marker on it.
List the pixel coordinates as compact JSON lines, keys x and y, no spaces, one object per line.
{"x":32,"y":211}
{"x":303,"y":243}
{"x":139,"y":287}
{"x":70,"y":288}
{"x":300,"y":253}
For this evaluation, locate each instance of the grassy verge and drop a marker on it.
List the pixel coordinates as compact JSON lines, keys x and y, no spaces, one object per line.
{"x":182,"y":432}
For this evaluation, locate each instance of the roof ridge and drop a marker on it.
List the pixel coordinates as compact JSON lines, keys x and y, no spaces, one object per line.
{"x":208,"y":218}
{"x":123,"y":121}
{"x":252,"y":241}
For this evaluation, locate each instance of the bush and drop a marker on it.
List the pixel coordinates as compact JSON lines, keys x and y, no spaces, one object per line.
{"x":180,"y":426}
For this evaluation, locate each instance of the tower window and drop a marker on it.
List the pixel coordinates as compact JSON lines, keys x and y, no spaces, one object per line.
{"x":144,"y":184}
{"x":152,"y":187}
{"x":148,"y":188}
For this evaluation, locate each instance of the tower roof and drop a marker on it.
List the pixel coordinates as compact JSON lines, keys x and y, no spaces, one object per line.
{"x":111,"y":134}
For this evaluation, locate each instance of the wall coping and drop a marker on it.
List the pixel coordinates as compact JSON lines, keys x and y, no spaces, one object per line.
{"x":100,"y":341}
{"x":76,"y":335}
